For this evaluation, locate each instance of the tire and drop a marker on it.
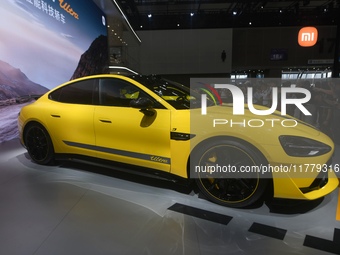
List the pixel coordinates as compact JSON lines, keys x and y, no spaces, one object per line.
{"x":39,"y":144}
{"x":227,"y":188}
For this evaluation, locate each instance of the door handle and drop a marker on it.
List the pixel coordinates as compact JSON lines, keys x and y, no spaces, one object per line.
{"x":55,"y":115}
{"x":105,"y":121}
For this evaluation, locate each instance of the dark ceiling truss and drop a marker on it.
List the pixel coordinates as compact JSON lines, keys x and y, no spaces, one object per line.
{"x":177,"y":14}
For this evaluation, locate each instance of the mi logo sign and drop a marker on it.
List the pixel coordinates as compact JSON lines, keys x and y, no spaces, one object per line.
{"x":308,"y":36}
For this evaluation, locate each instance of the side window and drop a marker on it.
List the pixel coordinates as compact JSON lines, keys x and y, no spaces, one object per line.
{"x":116,"y":92}
{"x":82,"y":92}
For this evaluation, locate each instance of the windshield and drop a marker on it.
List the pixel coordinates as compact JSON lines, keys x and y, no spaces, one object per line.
{"x":176,"y":94}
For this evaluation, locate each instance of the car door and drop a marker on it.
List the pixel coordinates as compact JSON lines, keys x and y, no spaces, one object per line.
{"x":70,"y":116}
{"x":126,"y":134}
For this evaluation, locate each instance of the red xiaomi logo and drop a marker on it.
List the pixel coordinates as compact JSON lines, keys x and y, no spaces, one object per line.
{"x":308,"y":36}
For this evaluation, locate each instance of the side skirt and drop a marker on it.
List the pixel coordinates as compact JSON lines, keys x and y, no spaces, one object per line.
{"x":126,"y":168}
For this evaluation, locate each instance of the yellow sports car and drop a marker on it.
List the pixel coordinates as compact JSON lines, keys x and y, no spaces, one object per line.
{"x":148,"y":123}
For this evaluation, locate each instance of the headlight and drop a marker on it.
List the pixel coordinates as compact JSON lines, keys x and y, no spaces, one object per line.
{"x":297,"y":146}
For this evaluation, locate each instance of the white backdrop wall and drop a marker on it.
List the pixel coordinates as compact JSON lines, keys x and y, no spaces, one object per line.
{"x":185,"y":51}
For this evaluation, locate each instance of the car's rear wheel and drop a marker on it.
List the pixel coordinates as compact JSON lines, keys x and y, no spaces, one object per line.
{"x":39,"y":145}
{"x":220,"y":179}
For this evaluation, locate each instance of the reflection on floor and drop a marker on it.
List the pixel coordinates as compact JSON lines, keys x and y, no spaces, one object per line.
{"x":76,"y":209}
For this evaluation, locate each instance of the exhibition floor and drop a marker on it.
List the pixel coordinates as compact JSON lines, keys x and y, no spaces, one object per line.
{"x":74,"y":209}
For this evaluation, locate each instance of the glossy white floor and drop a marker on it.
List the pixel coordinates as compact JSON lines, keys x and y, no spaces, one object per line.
{"x":74,"y":209}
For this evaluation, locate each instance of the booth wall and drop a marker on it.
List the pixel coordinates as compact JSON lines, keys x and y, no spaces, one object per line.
{"x":185,"y":51}
{"x":256,"y":47}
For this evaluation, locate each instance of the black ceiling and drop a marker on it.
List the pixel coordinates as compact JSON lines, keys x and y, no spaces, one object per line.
{"x":189,"y":14}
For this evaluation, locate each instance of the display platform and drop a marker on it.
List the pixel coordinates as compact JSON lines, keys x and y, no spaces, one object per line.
{"x":79,"y":209}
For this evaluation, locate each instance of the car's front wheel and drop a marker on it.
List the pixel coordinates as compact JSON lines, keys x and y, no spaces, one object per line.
{"x":221,"y":175}
{"x":39,"y":144}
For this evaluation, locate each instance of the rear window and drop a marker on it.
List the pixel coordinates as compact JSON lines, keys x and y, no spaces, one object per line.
{"x":82,"y":92}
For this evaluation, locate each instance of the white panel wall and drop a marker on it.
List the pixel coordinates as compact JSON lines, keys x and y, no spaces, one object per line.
{"x":185,"y":51}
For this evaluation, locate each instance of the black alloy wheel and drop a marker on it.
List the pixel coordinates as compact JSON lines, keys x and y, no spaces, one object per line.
{"x":230,"y":187}
{"x":39,"y":144}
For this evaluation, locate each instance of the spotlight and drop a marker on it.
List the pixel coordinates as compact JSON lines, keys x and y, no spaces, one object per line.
{"x":150,"y":16}
{"x":192,"y":14}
